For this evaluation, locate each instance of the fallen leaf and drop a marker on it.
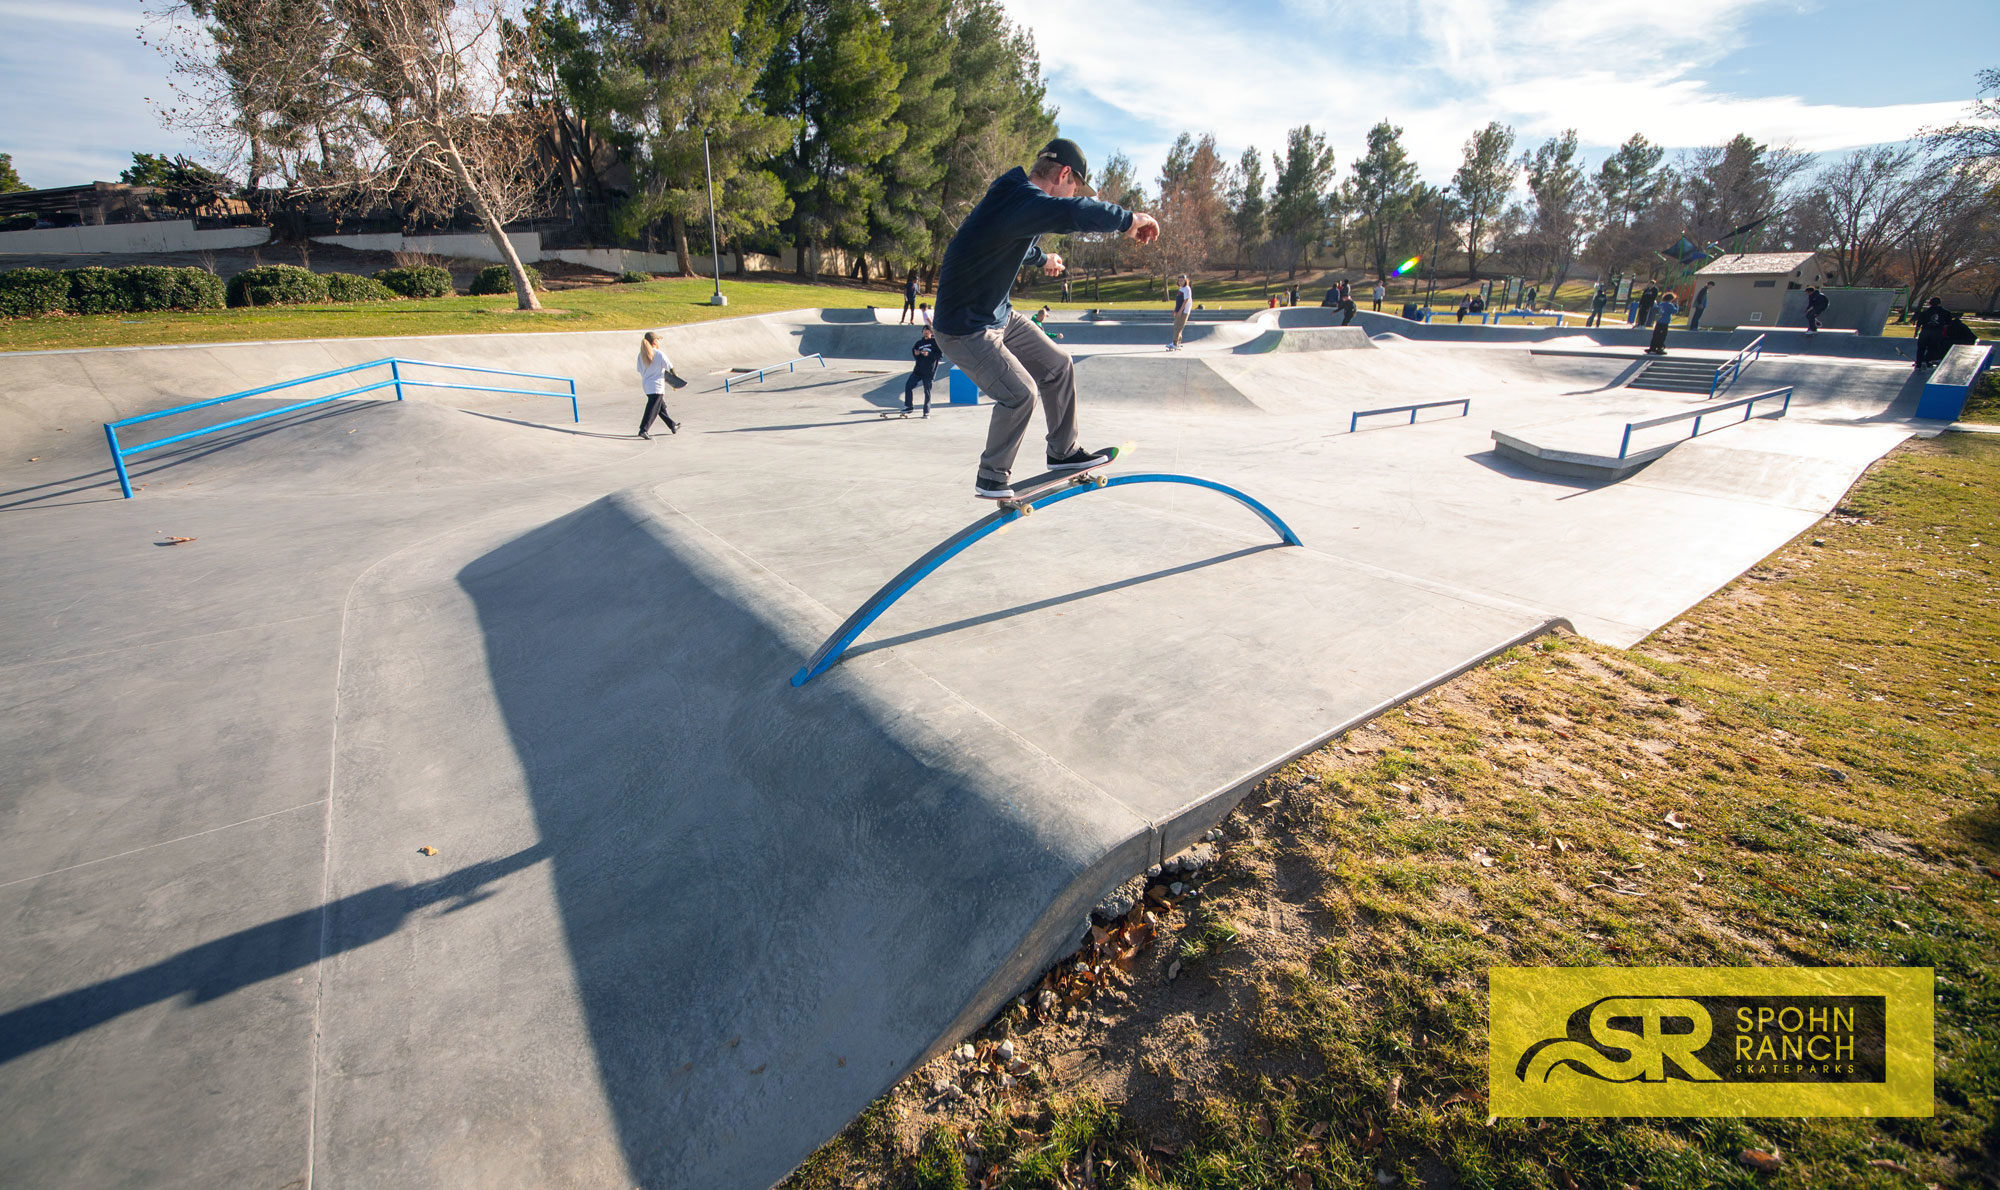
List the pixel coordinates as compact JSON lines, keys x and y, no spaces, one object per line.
{"x":1395,"y":1090}
{"x":1561,"y":846}
{"x":1316,"y":1131}
{"x":1885,"y":1163}
{"x":1673,"y":819}
{"x":1174,"y":970}
{"x":1301,"y":1180}
{"x":1263,"y":1124}
{"x":428,"y":850}
{"x":1762,"y":1161}
{"x":1564,"y":1180}
{"x":760,"y":1069}
{"x":172,"y":540}
{"x":34,"y":458}
{"x":1374,"y":1138}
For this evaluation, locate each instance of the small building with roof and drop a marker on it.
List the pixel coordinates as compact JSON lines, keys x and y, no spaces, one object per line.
{"x":1750,"y":287}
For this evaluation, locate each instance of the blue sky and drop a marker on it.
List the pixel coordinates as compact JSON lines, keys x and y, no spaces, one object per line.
{"x":1823,"y":76}
{"x":1820,"y":74}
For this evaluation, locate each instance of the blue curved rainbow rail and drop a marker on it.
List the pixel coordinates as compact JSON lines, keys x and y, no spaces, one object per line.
{"x":950,"y":547}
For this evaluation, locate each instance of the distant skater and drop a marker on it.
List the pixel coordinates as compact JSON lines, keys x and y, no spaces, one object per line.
{"x":1933,"y":322}
{"x":1815,"y":308}
{"x":1698,"y":306}
{"x":1597,"y":303}
{"x":1647,"y":300}
{"x":1663,"y":317}
{"x":909,"y":300}
{"x":1381,"y":291}
{"x":656,"y":373}
{"x":927,"y":355}
{"x":1007,"y":356}
{"x":1183,"y":306}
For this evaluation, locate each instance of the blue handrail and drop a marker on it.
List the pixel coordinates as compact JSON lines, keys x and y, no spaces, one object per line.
{"x":397,"y":380}
{"x":1746,"y":403}
{"x":1494,"y":316}
{"x":789,"y":365}
{"x":1735,"y":363}
{"x":1354,"y":421}
{"x":873,"y":607}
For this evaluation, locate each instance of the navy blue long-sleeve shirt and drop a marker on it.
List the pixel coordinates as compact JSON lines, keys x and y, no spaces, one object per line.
{"x":998,"y":238}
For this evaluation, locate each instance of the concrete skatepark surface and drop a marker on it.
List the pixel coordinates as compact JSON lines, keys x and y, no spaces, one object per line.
{"x":684,"y":920}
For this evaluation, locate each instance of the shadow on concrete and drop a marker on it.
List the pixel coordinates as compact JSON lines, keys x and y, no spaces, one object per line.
{"x":775,"y":900}
{"x":247,"y":957}
{"x":1493,"y":460}
{"x":1059,"y":600}
{"x":574,"y":433}
{"x":150,"y":465}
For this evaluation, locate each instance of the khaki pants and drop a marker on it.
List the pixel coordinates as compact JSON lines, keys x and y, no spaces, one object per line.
{"x":1014,"y":364}
{"x":1180,"y":324}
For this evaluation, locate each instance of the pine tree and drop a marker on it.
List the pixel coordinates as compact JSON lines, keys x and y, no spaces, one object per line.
{"x":674,"y":75}
{"x":1300,"y":204}
{"x":9,"y":180}
{"x":1482,"y":184}
{"x":1382,"y":189}
{"x":1248,"y":204}
{"x":908,"y":213}
{"x":838,"y":79}
{"x":998,"y":115}
{"x":1556,"y":181}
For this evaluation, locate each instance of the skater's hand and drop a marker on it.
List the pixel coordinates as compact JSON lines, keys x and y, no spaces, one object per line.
{"x":1144,"y":229}
{"x":1052,"y":264}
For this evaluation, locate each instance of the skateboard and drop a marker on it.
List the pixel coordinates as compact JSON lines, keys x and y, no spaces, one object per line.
{"x":1034,"y":488}
{"x":902,"y":413}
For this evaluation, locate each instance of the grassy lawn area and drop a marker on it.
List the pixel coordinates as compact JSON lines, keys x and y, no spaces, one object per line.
{"x":1800,"y":771}
{"x":595,"y":308}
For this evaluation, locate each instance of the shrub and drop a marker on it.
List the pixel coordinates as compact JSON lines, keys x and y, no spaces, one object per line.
{"x":25,"y":293}
{"x":23,"y":222}
{"x":276,"y":285}
{"x":95,"y":291}
{"x":152,"y":287}
{"x":494,"y":279}
{"x":417,"y":280}
{"x":633,"y":277}
{"x":346,"y":287}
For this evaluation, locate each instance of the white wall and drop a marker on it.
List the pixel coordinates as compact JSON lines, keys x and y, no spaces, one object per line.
{"x":166,"y":235}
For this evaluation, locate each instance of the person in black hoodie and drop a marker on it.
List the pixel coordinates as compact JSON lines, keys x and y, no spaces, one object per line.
{"x":1005,"y":354}
{"x":1647,"y":298}
{"x":926,"y":353}
{"x":1932,"y":323}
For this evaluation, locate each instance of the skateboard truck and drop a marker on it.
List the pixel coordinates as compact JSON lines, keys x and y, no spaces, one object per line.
{"x":1025,"y":504}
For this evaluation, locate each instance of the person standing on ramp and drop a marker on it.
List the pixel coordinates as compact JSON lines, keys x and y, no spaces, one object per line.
{"x":1006,"y":355}
{"x":926,"y":354}
{"x":656,"y":374}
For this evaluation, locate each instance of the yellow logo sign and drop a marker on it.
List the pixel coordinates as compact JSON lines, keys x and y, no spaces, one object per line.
{"x":1660,"y":1041}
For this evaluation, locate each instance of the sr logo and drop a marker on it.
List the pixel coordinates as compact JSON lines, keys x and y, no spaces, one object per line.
{"x":1623,"y":1039}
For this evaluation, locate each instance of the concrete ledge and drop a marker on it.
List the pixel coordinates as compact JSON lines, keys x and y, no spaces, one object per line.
{"x":1572,"y":463}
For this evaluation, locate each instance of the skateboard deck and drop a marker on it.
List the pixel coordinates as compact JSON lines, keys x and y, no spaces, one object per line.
{"x":1037,"y":486}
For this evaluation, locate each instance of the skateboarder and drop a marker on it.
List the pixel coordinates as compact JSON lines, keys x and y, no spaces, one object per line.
{"x":1597,"y":303}
{"x":909,"y":301}
{"x":1815,"y":307}
{"x":1007,"y":356}
{"x":656,"y":371}
{"x":1699,"y":307}
{"x":1932,"y":324}
{"x":926,"y":354}
{"x":1183,"y":306}
{"x":1663,"y":317}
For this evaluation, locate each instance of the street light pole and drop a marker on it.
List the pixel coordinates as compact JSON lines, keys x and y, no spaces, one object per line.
{"x":714,"y":240}
{"x":1437,"y":236}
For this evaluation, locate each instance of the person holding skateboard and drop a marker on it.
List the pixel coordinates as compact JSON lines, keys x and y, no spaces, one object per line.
{"x":1004,"y":353}
{"x":656,"y":372}
{"x":926,"y":354}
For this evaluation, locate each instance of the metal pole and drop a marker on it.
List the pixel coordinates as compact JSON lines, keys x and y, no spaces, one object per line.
{"x":714,"y":240}
{"x":1437,"y":235}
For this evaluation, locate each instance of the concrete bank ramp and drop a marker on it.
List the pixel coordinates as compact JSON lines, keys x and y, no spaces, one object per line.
{"x":1178,"y":382}
{"x":686,"y":920}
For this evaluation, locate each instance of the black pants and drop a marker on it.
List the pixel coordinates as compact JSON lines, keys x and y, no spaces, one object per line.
{"x":1812,"y":321}
{"x":909,"y":310}
{"x":1659,"y":346}
{"x":656,"y":406}
{"x":1596,"y":316}
{"x":1930,"y":348}
{"x":910,"y":388}
{"x":1347,"y":314}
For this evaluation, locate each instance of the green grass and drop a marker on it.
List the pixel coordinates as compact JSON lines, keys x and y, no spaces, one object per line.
{"x":1828,"y":730}
{"x":609,"y":307}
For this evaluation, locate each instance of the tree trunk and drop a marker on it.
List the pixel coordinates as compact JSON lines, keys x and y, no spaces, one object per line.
{"x":681,"y":256}
{"x":524,"y":291}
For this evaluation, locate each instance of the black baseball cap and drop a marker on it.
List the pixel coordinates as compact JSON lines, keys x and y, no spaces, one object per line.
{"x":1063,"y":151}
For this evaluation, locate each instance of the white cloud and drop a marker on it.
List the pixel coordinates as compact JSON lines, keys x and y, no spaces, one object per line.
{"x":1438,"y":69}
{"x":123,"y":19}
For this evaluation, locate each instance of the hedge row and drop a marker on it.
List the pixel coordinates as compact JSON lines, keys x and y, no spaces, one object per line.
{"x":28,"y":292}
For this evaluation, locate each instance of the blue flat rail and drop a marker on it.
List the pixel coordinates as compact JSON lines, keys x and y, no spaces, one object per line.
{"x":872,"y":608}
{"x":790,"y":365}
{"x":1735,"y":364}
{"x":398,"y":379}
{"x":1355,"y":421}
{"x":1494,"y":316}
{"x":1747,"y":404}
